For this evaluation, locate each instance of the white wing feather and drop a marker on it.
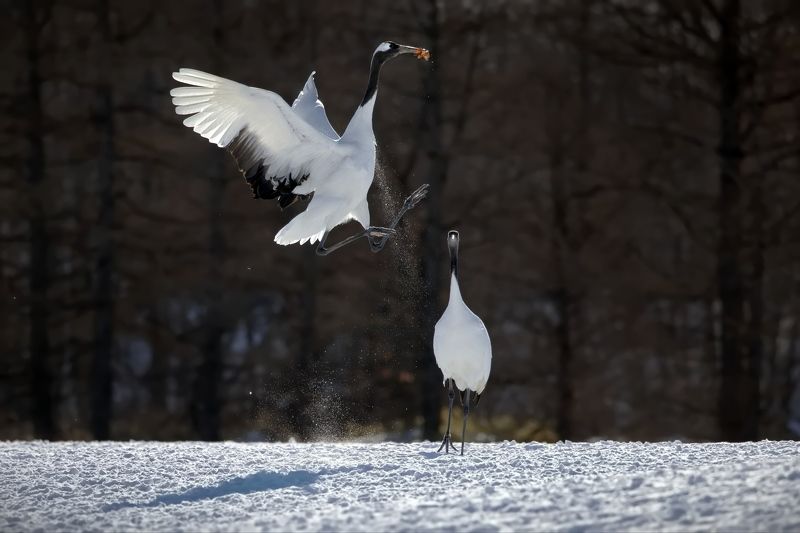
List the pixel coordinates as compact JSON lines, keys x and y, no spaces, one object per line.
{"x":256,"y":125}
{"x":310,"y":108}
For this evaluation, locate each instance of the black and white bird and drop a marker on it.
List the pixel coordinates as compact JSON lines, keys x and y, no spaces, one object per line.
{"x":293,"y":153}
{"x":462,"y":348}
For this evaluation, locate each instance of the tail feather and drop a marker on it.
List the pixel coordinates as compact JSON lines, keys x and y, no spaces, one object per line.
{"x":302,"y":228}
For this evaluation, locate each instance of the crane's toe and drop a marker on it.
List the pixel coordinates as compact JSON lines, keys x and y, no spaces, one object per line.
{"x":416,"y":196}
{"x":377,"y":232}
{"x":447,"y":444}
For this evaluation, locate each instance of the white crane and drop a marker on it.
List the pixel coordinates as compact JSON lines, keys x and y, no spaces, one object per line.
{"x":290,"y":153}
{"x":462,"y":348}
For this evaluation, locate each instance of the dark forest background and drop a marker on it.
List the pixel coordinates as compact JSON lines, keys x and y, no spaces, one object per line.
{"x":624,"y":175}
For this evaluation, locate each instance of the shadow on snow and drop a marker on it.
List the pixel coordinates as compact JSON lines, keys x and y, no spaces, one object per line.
{"x":258,"y":482}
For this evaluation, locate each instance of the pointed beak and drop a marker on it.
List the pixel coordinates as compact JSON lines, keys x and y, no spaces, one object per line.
{"x":421,"y":53}
{"x":452,"y":246}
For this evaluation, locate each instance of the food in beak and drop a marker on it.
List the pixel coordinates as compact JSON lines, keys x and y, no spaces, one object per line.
{"x":421,"y":53}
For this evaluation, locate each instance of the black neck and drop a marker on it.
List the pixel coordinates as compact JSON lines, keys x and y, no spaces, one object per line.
{"x":374,"y":72}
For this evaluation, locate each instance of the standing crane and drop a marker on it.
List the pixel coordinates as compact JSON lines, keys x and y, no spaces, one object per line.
{"x":462,"y":348}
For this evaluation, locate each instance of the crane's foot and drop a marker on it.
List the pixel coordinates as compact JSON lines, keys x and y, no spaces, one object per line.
{"x":447,"y":444}
{"x":415,"y":197}
{"x":377,"y":237}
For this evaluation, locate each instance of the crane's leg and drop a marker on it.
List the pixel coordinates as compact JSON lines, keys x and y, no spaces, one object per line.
{"x":410,"y":202}
{"x":447,"y":443}
{"x":376,"y":235}
{"x":466,"y":414}
{"x":372,"y":233}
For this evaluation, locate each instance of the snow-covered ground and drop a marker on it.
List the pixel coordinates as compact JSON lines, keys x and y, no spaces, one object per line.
{"x":605,"y":486}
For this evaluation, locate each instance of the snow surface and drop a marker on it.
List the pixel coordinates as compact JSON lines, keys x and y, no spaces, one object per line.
{"x":505,"y":486}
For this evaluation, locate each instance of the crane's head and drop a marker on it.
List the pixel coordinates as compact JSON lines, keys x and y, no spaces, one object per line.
{"x":390,"y":49}
{"x":452,"y":244}
{"x":386,"y":51}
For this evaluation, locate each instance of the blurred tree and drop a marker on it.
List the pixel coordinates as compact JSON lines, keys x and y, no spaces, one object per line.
{"x":729,"y":59}
{"x":104,"y":243}
{"x":432,"y":124}
{"x":35,"y":16}
{"x":574,"y":144}
{"x":206,"y":404}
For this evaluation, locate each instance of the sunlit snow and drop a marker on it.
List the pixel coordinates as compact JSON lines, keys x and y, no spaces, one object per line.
{"x":393,"y":486}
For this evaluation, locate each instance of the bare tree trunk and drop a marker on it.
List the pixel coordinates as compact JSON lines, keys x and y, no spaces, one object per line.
{"x":561,"y":296}
{"x":433,"y":241}
{"x":207,"y":402}
{"x":755,"y":303}
{"x":207,"y":393}
{"x":101,"y":388}
{"x":158,"y":373}
{"x":559,"y":242}
{"x":564,"y":299}
{"x":43,"y":408}
{"x":207,"y":397}
{"x":735,"y":408}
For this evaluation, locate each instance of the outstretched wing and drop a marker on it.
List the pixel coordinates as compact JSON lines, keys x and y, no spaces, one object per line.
{"x":274,"y":147}
{"x":309,"y":107}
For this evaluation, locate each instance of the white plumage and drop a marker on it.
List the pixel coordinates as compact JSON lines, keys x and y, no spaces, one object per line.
{"x":309,"y":107}
{"x":461,"y":344}
{"x":293,"y":152}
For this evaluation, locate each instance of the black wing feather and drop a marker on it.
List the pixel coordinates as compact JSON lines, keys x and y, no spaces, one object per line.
{"x":255,"y":169}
